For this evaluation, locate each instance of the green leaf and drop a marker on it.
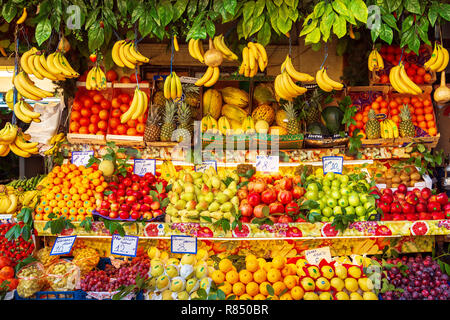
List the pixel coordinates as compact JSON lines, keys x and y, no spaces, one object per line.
{"x":285,"y":26}
{"x":340,"y":27}
{"x":110,"y":17}
{"x":259,"y":8}
{"x":43,"y":31}
{"x":230,"y":6}
{"x":247,"y":10}
{"x":96,"y":36}
{"x":309,"y":28}
{"x":178,"y":8}
{"x":91,"y":18}
{"x":122,"y":6}
{"x":165,"y":12}
{"x":257,"y":25}
{"x":412,"y":6}
{"x":278,"y":2}
{"x":359,"y":9}
{"x":444,"y":11}
{"x":313,"y":37}
{"x":386,"y":33}
{"x":325,"y":25}
{"x":390,"y":20}
{"x":340,"y":7}
{"x":264,"y":34}
{"x":319,"y":9}
{"x":270,"y":290}
{"x":407,"y":23}
{"x":9,"y":11}
{"x":393,"y":4}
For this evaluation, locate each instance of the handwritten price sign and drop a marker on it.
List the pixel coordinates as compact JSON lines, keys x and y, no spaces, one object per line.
{"x":205,"y":165}
{"x":314,"y":256}
{"x":81,"y":158}
{"x":332,"y":164}
{"x":142,"y":166}
{"x":62,"y":245}
{"x":267,"y":163}
{"x":124,"y":246}
{"x":183,"y":244}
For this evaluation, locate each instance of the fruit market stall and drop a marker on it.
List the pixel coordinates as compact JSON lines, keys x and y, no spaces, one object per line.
{"x":186,"y":160}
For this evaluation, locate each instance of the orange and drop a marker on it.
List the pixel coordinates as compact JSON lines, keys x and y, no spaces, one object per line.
{"x":252,"y":288}
{"x":81,"y":211}
{"x":393,"y":104}
{"x":420,"y":118}
{"x":87,"y":204}
{"x":297,"y":293}
{"x":252,"y":265}
{"x":70,"y":203}
{"x":260,"y":276}
{"x":57,"y":181}
{"x":225,"y":265}
{"x":67,"y":197}
{"x":290,"y":281}
{"x":263,"y":288}
{"x":80,"y":217}
{"x":267,"y":266}
{"x":278,"y":262}
{"x":379,"y":99}
{"x":406,"y":100}
{"x":73,"y":190}
{"x":61,"y":204}
{"x":432,"y":131}
{"x":418,"y":111}
{"x":376,"y":105}
{"x":56,"y":169}
{"x":259,"y":296}
{"x":238,"y":288}
{"x":51,"y":175}
{"x":365,"y":119}
{"x":76,"y":197}
{"x":395,"y":118}
{"x":44,"y":203}
{"x":278,"y":287}
{"x":99,"y":189}
{"x":46,"y":218}
{"x":394,"y":112}
{"x":65,"y":211}
{"x":38,"y":216}
{"x":73,"y":211}
{"x":286,"y":296}
{"x":56,"y":210}
{"x":84,"y":197}
{"x":226,"y":287}
{"x":431,"y":124}
{"x":358,"y":116}
{"x":58,"y":196}
{"x":245,"y":276}
{"x":47,"y":209}
{"x":61,"y":175}
{"x":53,"y":203}
{"x":273,"y":275}
{"x":429,"y":117}
{"x":423,"y":124}
{"x":384,"y":110}
{"x":427,"y":103}
{"x":417,"y":104}
{"x":413,"y":118}
{"x":39,"y":209}
{"x":218,"y":277}
{"x":231,"y":276}
{"x":245,"y":297}
{"x":428,"y":110}
{"x":78,"y":204}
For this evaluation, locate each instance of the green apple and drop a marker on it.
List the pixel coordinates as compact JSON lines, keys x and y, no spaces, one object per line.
{"x":335,"y":183}
{"x":353,"y":200}
{"x":368,"y":205}
{"x":327,"y":211}
{"x":349,"y":210}
{"x":324,"y":219}
{"x":337,"y":210}
{"x":360,"y":211}
{"x":312,"y":195}
{"x":326,"y":183}
{"x":315,"y":211}
{"x":345,"y":191}
{"x":343,"y":202}
{"x":336,"y":194}
{"x":362,"y":218}
{"x":331,"y":202}
{"x":312,"y":187}
{"x":330,"y":176}
{"x":344,"y":178}
{"x":363,"y":197}
{"x":322,"y":203}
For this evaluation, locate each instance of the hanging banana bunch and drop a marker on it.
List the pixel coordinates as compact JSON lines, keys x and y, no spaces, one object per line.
{"x":172,"y":87}
{"x":254,"y":56}
{"x":401,"y":82}
{"x":26,"y":87}
{"x":439,"y":59}
{"x":325,"y":83}
{"x":375,"y":61}
{"x":96,"y":79}
{"x":125,"y":54}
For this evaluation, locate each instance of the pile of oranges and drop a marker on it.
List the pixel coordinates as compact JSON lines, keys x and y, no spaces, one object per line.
{"x":120,"y":104}
{"x":90,"y":113}
{"x":259,"y":278}
{"x":421,"y":110}
{"x":71,"y":191}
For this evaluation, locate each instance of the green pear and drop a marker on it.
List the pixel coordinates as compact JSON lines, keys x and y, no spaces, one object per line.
{"x":235,"y":201}
{"x":190,"y":205}
{"x":201,"y":272}
{"x":208,"y":183}
{"x":222,"y":197}
{"x":214,"y":206}
{"x":183,"y":295}
{"x":216,"y":215}
{"x":187,"y":196}
{"x":202,"y":205}
{"x":215,"y":182}
{"x":223,"y":186}
{"x":229,"y":193}
{"x":189,"y":187}
{"x":205,"y":284}
{"x":205,"y":214}
{"x":180,"y":204}
{"x":228,"y":215}
{"x":205,"y":189}
{"x":197,"y":175}
{"x":171,"y":210}
{"x":233,"y":186}
{"x":226,"y":207}
{"x":176,"y":187}
{"x":209,"y":197}
{"x":173,"y":197}
{"x":200,"y":198}
{"x":157,"y":270}
{"x":172,"y":271}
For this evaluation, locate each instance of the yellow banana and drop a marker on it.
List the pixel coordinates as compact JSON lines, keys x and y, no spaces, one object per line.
{"x":33,"y":88}
{"x":51,"y":66}
{"x":219,"y":42}
{"x":380,"y":62}
{"x":129,"y":64}
{"x":179,"y":88}
{"x":59,"y":63}
{"x":9,"y":98}
{"x":214,"y":77}
{"x":140,"y":105}
{"x":285,"y":84}
{"x":407,"y":81}
{"x":175,"y":43}
{"x":127,"y":54}
{"x":25,"y":90}
{"x":241,"y":69}
{"x":5,"y":202}
{"x":4,"y":150}
{"x":24,"y":60}
{"x":280,"y":90}
{"x":13,"y":206}
{"x":246,"y":57}
{"x":397,"y":81}
{"x":297,"y":76}
{"x":167,"y":84}
{"x":372,"y":61}
{"x":125,"y":117}
{"x":173,"y":87}
{"x":444,"y":52}
{"x":19,"y":152}
{"x":88,"y":80}
{"x":336,"y":85}
{"x":28,"y":110}
{"x":32,"y":65}
{"x":24,"y":145}
{"x":191,"y":50}
{"x":19,"y":114}
{"x":137,"y":55}
{"x":298,"y":89}
{"x":206,"y":76}
{"x":204,"y":124}
{"x":22,"y":17}
{"x":67,"y":65}
{"x":247,"y":71}
{"x":41,"y":65}
{"x":262,"y":53}
{"x":325,"y":86}
{"x":8,"y":133}
{"x":439,"y":59}
{"x":433,"y":57}
{"x":115,"y":53}
{"x":198,"y":49}
{"x":394,"y":128}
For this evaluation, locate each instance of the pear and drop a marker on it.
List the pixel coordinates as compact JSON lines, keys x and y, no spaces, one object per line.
{"x":214,"y":206}
{"x":188,"y":178}
{"x":233,"y":186}
{"x":228,"y":215}
{"x":205,"y":284}
{"x":205,"y":189}
{"x":202,"y":206}
{"x":187,"y":196}
{"x":173,"y":197}
{"x":215,"y":182}
{"x":191,"y":285}
{"x":157,"y":270}
{"x":209,"y":197}
{"x":171,"y":210}
{"x":201,"y":271}
{"x":200,"y":198}
{"x":189,"y":187}
{"x":177,"y":284}
{"x":216,"y":215}
{"x":205,"y":213}
{"x":183,"y":295}
{"x":152,"y":284}
{"x":223,"y":186}
{"x":197,"y":175}
{"x":235,"y":201}
{"x":226,"y":207}
{"x":162,"y":282}
{"x":172,"y":271}
{"x":188,"y":258}
{"x":186,"y":271}
{"x":173,"y":261}
{"x":229,"y":193}
{"x":181,"y":204}
{"x":222,"y":198}
{"x":190,"y":205}
{"x":176,"y":187}
{"x":167,"y":295}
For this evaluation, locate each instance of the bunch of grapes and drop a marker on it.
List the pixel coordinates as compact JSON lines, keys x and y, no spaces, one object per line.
{"x":424,"y":280}
{"x":98,"y":281}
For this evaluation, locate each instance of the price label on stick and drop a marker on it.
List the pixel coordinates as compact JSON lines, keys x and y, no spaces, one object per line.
{"x":62,"y":245}
{"x":142,"y":166}
{"x":332,"y":164}
{"x":267,"y":163}
{"x":124,"y":246}
{"x":205,"y":165}
{"x":183,"y":244}
{"x":81,"y":158}
{"x":314,"y":256}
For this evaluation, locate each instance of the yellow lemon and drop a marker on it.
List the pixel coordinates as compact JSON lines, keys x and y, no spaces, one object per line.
{"x":297,"y":293}
{"x":337,"y":284}
{"x":355,"y":271}
{"x":322,"y":284}
{"x":369,"y":296}
{"x":259,"y":296}
{"x":308,"y":284}
{"x":341,"y":295}
{"x":351,"y":284}
{"x":313,"y":272}
{"x":327,"y":272}
{"x":355,"y":296}
{"x":341,"y":271}
{"x":310,"y":296}
{"x":325,"y":296}
{"x":365,"y":284}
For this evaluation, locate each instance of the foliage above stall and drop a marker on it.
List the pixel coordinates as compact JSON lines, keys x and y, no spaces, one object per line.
{"x":102,"y":21}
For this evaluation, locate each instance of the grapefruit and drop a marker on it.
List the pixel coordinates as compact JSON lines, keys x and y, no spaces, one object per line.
{"x":419,"y":228}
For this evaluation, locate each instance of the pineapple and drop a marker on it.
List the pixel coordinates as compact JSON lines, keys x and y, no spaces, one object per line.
{"x":373,"y":130}
{"x":186,"y":126}
{"x":168,"y":126}
{"x":192,"y":95}
{"x":158,"y":99}
{"x":406,"y":127}
{"x":293,"y":125}
{"x":153,"y":127}
{"x":312,"y":108}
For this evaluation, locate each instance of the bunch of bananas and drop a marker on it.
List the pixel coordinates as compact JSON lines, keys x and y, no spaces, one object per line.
{"x":138,"y":106}
{"x":209,"y":78}
{"x":401,"y":82}
{"x":439,"y":59}
{"x":126,"y":54}
{"x":168,"y":171}
{"x":219,"y":44}
{"x":286,"y":88}
{"x":375,"y":61}
{"x":55,"y":142}
{"x":8,"y":201}
{"x":13,"y":139}
{"x":224,"y":126}
{"x":9,"y":98}
{"x":248,"y":126}
{"x":26,"y":184}
{"x":172,"y":87}
{"x":254,"y":56}
{"x":30,"y":198}
{"x":55,"y":67}
{"x":96,"y":79}
{"x":195,"y":48}
{"x":293,"y":73}
{"x":389,"y":129}
{"x":209,"y":125}
{"x":24,"y":112}
{"x":26,"y":87}
{"x":325,"y":83}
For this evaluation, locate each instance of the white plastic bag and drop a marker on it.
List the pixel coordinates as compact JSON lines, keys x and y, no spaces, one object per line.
{"x":50,"y":117}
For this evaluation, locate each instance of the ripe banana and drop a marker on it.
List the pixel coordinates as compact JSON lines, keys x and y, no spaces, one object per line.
{"x":24,"y":60}
{"x":209,"y":78}
{"x":4,"y":150}
{"x":9,"y":98}
{"x":262,"y":55}
{"x":224,"y":125}
{"x":5,"y":203}
{"x":172,"y":87}
{"x":137,"y":108}
{"x":195,"y":48}
{"x":25,"y":113}
{"x":293,"y":73}
{"x":248,"y":125}
{"x":325,"y":86}
{"x":375,"y":61}
{"x":57,"y":138}
{"x":125,"y":54}
{"x":280,"y":89}
{"x":8,"y":134}
{"x":96,"y":79}
{"x":408,"y":82}
{"x":401,"y":82}
{"x":23,"y":17}
{"x":212,"y":125}
{"x":21,"y":143}
{"x":214,"y":77}
{"x":439,"y":59}
{"x":28,"y":89}
{"x":219,"y":44}
{"x":167,"y":83}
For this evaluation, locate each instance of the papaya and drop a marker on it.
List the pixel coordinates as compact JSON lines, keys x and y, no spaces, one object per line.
{"x":212,"y":103}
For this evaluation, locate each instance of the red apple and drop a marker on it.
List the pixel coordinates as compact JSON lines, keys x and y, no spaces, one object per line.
{"x":442,"y":198}
{"x":411,"y":198}
{"x":268,"y":196}
{"x":292,"y":208}
{"x":298,"y":192}
{"x":145,"y":207}
{"x":276,"y":207}
{"x":125,"y":207}
{"x":114,"y":207}
{"x":124,"y":215}
{"x":246,"y":210}
{"x":420,"y":207}
{"x":259,"y":186}
{"x":147,"y":199}
{"x":285,"y":197}
{"x":136,"y":206}
{"x":254,"y":199}
{"x":402,"y":188}
{"x":433,"y":206}
{"x":113,"y":214}
{"x":130,"y":200}
{"x":396,"y":207}
{"x":408,"y":208}
{"x":134,"y":215}
{"x":387,"y":198}
{"x":104,"y":212}
{"x":258,"y":210}
{"x":242,"y":194}
{"x":105,"y":205}
{"x":155,"y":205}
{"x":284,"y":219}
{"x":112,"y":197}
{"x":121,"y":192}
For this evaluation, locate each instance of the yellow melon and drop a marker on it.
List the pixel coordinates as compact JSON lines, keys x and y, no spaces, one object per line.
{"x":277,"y":130}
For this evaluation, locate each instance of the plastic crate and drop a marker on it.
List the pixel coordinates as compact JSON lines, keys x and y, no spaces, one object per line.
{"x":54,"y":295}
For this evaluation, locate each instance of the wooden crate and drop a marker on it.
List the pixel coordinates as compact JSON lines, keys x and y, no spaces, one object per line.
{"x":129,"y":141}
{"x":77,"y":138}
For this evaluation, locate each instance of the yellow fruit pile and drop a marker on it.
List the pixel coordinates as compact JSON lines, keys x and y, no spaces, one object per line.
{"x":72,"y":192}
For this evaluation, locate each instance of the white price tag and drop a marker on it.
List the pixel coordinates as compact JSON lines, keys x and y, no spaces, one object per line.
{"x":81,"y":158}
{"x":142,"y":166}
{"x":62,"y":245}
{"x":267,"y":163}
{"x":314,"y":256}
{"x":183,"y":244}
{"x":332,"y":164}
{"x":205,"y":165}
{"x":188,"y":80}
{"x":124,"y":246}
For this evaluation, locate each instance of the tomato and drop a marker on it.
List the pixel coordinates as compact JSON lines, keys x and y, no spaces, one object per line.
{"x":85,"y":112}
{"x":125,"y":79}
{"x":83,"y":130}
{"x":84,"y":122}
{"x":121,"y":129}
{"x":75,"y":115}
{"x":115,"y":103}
{"x":124,"y":107}
{"x":131,"y":132}
{"x":105,"y":104}
{"x":418,"y":79}
{"x":111,"y":75}
{"x":114,"y":122}
{"x":74,"y":126}
{"x":4,"y":261}
{"x":88,"y":102}
{"x":125,"y":98}
{"x":94,"y":118}
{"x":12,"y":283}
{"x":102,"y":125}
{"x":92,"y":93}
{"x":140,"y":128}
{"x":133,"y":78}
{"x":132,"y":123}
{"x":103,"y":114}
{"x":97,"y":98}
{"x":95,"y":109}
{"x":77,"y":105}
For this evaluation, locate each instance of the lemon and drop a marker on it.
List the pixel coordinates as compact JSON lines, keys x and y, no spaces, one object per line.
{"x":351,"y":284}
{"x":355,"y":296}
{"x":365,"y":284}
{"x":340,"y":271}
{"x":355,"y":271}
{"x":322,"y":284}
{"x":325,"y":296}
{"x":310,"y":296}
{"x":327,"y":272}
{"x":107,"y":167}
{"x":341,"y":295}
{"x":308,"y":284}
{"x":337,"y":284}
{"x":369,"y":296}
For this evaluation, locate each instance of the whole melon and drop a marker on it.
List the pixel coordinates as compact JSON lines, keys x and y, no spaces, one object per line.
{"x":212,"y":103}
{"x":332,"y":119}
{"x":280,"y":118}
{"x":317,"y":128}
{"x":263,"y":94}
{"x":107,"y":167}
{"x":264,"y":112}
{"x":277,"y":130}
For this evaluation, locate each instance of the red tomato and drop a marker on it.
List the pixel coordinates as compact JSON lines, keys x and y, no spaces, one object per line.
{"x":102,"y":125}
{"x":94,"y":119}
{"x":105,"y":104}
{"x":95,"y":109}
{"x":74,"y":127}
{"x":114,"y":123}
{"x":85,"y":112}
{"x":104,"y":114}
{"x":125,"y":79}
{"x":6,"y":272}
{"x":77,"y":105}
{"x":140,"y":128}
{"x":111,"y":75}
{"x":121,"y":129}
{"x":97,"y":98}
{"x":116,"y":113}
{"x":125,"y":98}
{"x":133,"y":78}
{"x":84,"y":122}
{"x":75,"y":116}
{"x":92,"y":128}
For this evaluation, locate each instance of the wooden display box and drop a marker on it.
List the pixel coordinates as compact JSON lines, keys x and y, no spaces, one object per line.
{"x":253,"y":142}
